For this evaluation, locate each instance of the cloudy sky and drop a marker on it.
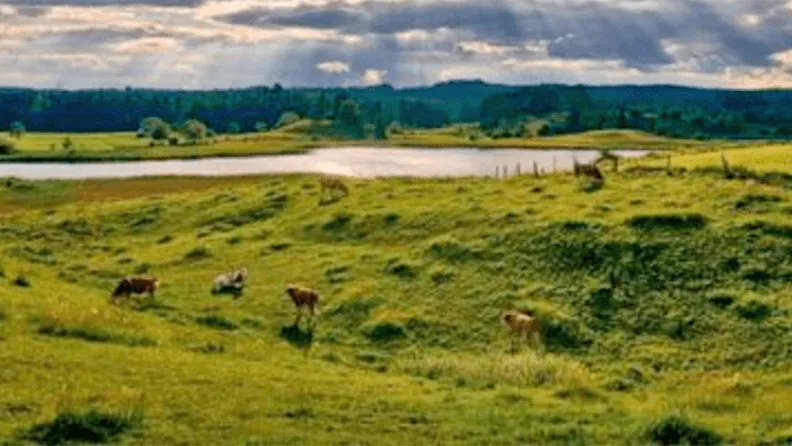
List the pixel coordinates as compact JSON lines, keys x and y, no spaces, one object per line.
{"x":237,"y":43}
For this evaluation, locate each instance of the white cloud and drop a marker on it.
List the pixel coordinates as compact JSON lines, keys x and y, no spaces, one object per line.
{"x":484,"y":48}
{"x":334,"y":67}
{"x":6,"y":10}
{"x":373,"y":77}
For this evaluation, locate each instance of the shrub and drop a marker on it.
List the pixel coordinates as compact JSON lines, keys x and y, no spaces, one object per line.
{"x":722,"y":299}
{"x":450,"y":249}
{"x":6,"y":147}
{"x":198,"y":253}
{"x":676,"y":430}
{"x":751,"y":201}
{"x":92,"y":427}
{"x":339,"y":221}
{"x":217,"y":322}
{"x":401,"y":269}
{"x":21,"y":281}
{"x":754,"y":310}
{"x":669,"y":221}
{"x":386,"y":331}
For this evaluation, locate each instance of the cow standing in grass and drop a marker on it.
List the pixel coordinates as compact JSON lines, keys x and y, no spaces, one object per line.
{"x":233,"y":282}
{"x":524,"y":325}
{"x":588,"y":170}
{"x":303,"y":298}
{"x":135,"y":285}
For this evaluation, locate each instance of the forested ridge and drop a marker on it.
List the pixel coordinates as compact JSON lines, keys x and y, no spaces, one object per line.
{"x":502,"y":111}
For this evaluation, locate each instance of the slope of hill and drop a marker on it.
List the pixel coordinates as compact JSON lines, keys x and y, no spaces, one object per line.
{"x":665,"y":304}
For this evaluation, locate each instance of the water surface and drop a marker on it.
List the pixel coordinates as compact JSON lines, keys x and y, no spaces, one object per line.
{"x":352,"y":162}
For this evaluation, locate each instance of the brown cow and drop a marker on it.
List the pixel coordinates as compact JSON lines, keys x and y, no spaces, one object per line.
{"x":588,"y":170}
{"x":135,"y":285}
{"x":332,"y":184}
{"x":303,"y":298}
{"x":523,"y":324}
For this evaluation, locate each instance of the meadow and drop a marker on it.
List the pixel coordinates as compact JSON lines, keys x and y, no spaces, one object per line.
{"x":307,"y":135}
{"x":665,"y":302}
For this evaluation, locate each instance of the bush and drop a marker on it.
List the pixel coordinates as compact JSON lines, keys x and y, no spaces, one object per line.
{"x":92,"y":427}
{"x":386,"y":331}
{"x":754,"y":310}
{"x":401,"y":269}
{"x":217,"y":322}
{"x":199,"y":253}
{"x":669,"y":221}
{"x":451,"y":249}
{"x":21,"y":281}
{"x":676,"y":430}
{"x":6,"y":147}
{"x":287,"y":119}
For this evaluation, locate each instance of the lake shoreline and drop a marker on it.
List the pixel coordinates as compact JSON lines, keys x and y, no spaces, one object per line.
{"x":356,"y":162}
{"x":102,"y":158}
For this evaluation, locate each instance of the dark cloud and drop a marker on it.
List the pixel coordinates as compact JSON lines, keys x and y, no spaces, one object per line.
{"x":590,"y":30}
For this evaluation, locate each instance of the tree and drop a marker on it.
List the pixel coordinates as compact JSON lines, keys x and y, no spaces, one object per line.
{"x":16,"y":130}
{"x":194,"y":130}
{"x":155,"y":128}
{"x":349,"y":119}
{"x":395,"y":129}
{"x":287,"y":119}
{"x":261,"y":127}
{"x":234,"y":127}
{"x":67,"y":144}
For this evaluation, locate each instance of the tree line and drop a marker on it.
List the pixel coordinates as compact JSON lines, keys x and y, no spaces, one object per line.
{"x":501,"y":111}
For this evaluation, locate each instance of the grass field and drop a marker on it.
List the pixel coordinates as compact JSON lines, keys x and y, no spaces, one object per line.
{"x":306,"y":135}
{"x":665,"y":303}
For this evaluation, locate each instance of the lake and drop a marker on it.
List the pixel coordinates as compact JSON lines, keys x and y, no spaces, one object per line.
{"x":351,"y":162}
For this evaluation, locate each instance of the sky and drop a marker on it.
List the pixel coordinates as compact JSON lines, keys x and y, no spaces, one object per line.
{"x":203,"y":44}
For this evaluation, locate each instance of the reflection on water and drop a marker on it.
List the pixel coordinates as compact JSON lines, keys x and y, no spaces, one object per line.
{"x":353,"y":162}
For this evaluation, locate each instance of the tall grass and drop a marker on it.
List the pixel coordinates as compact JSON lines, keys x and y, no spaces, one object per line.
{"x":524,"y":369}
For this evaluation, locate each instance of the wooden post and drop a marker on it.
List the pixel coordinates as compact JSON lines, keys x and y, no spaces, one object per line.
{"x":518,"y":169}
{"x":726,"y":168}
{"x":536,"y":169}
{"x":668,"y":164}
{"x":497,"y":172}
{"x":554,"y":164}
{"x":505,"y":172}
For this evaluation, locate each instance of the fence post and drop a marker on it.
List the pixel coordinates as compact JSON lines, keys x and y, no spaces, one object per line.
{"x":536,"y":169}
{"x":497,"y":172}
{"x":505,"y":172}
{"x":668,"y":164}
{"x":518,"y":169}
{"x":726,"y":168}
{"x":554,"y":164}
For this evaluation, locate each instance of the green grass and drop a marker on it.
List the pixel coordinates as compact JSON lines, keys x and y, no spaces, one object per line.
{"x":665,"y":304}
{"x":306,"y":135}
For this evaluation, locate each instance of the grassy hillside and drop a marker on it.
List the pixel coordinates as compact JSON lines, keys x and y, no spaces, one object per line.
{"x":665,"y":302}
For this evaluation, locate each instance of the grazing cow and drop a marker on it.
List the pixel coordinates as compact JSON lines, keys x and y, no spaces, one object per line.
{"x":523,"y":324}
{"x":232,"y":282}
{"x":135,"y":285}
{"x":331,"y":184}
{"x":303,"y":298}
{"x":588,"y":170}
